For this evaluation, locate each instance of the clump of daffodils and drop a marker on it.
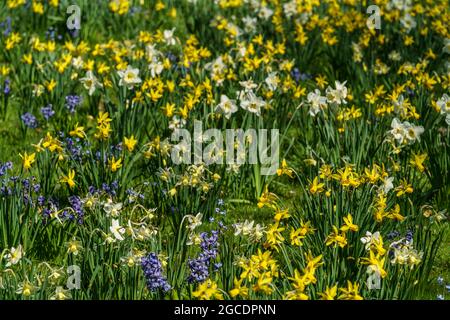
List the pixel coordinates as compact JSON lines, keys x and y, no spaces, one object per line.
{"x":404,"y":132}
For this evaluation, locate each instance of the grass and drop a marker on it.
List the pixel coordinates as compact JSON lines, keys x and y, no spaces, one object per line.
{"x":441,"y":268}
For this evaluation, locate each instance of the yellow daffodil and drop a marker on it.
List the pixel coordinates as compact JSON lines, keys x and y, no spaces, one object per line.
{"x":114,"y":164}
{"x":130,"y":143}
{"x":27,"y":160}
{"x":69,"y":179}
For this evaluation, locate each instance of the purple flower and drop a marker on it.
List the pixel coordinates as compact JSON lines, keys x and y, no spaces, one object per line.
{"x":74,"y":150}
{"x":29,"y":120}
{"x":6,"y":25}
{"x":7,"y":88}
{"x":41,"y":200}
{"x":77,"y":206}
{"x":4,"y":167}
{"x":200,"y":266}
{"x":47,"y":112}
{"x":72,"y":101}
{"x":409,"y":236}
{"x":153,"y":273}
{"x":295,"y":73}
{"x":393,"y":234}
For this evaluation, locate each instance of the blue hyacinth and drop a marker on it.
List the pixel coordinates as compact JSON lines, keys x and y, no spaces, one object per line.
{"x":29,"y":120}
{"x":154,"y":273}
{"x":200,"y":266}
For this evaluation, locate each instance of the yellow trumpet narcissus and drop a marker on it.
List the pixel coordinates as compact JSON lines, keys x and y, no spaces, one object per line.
{"x":130,"y":143}
{"x":267,"y":199}
{"x":208,"y":290}
{"x":69,"y":178}
{"x":172,"y":192}
{"x":376,"y":264}
{"x":297,"y":236}
{"x":316,"y":187}
{"x":28,"y":160}
{"x":103,"y":119}
{"x":351,"y":292}
{"x":281,"y":214}
{"x":264,"y":283}
{"x":78,"y":131}
{"x":348,"y":224}
{"x":50,"y":85}
{"x":115,"y":164}
{"x":238,"y":289}
{"x":418,"y":160}
{"x":336,"y":238}
{"x":274,"y":235}
{"x":27,"y":58}
{"x":329,"y":293}
{"x":285,"y":169}
{"x":394,"y":214}
{"x":4,"y":70}
{"x":169,"y":109}
{"x":321,"y":81}
{"x":404,"y":188}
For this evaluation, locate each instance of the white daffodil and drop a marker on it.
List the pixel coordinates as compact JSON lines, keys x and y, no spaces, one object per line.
{"x":272,"y":81}
{"x":446,"y":47}
{"x":408,"y":22}
{"x":169,"y":38}
{"x":248,"y":85}
{"x":338,"y":94}
{"x":176,"y":123}
{"x":245,"y":228}
{"x":61,"y":294}
{"x":226,"y":106}
{"x":151,"y":52}
{"x":398,"y":130}
{"x":388,"y":184}
{"x":370,"y":239}
{"x":77,"y":62}
{"x":90,"y":82}
{"x":394,"y":56}
{"x":112,"y":209}
{"x":156,"y":67}
{"x":444,"y":107}
{"x":250,"y":23}
{"x":74,"y":247}
{"x":316,"y":102}
{"x":258,"y":232}
{"x":400,"y":106}
{"x":251,"y":103}
{"x":117,"y":230}
{"x":265,"y":13}
{"x":444,"y":104}
{"x":290,"y":8}
{"x":26,"y":288}
{"x":194,"y":239}
{"x":194,"y":221}
{"x":413,"y":132}
{"x":129,"y":77}
{"x":14,"y":255}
